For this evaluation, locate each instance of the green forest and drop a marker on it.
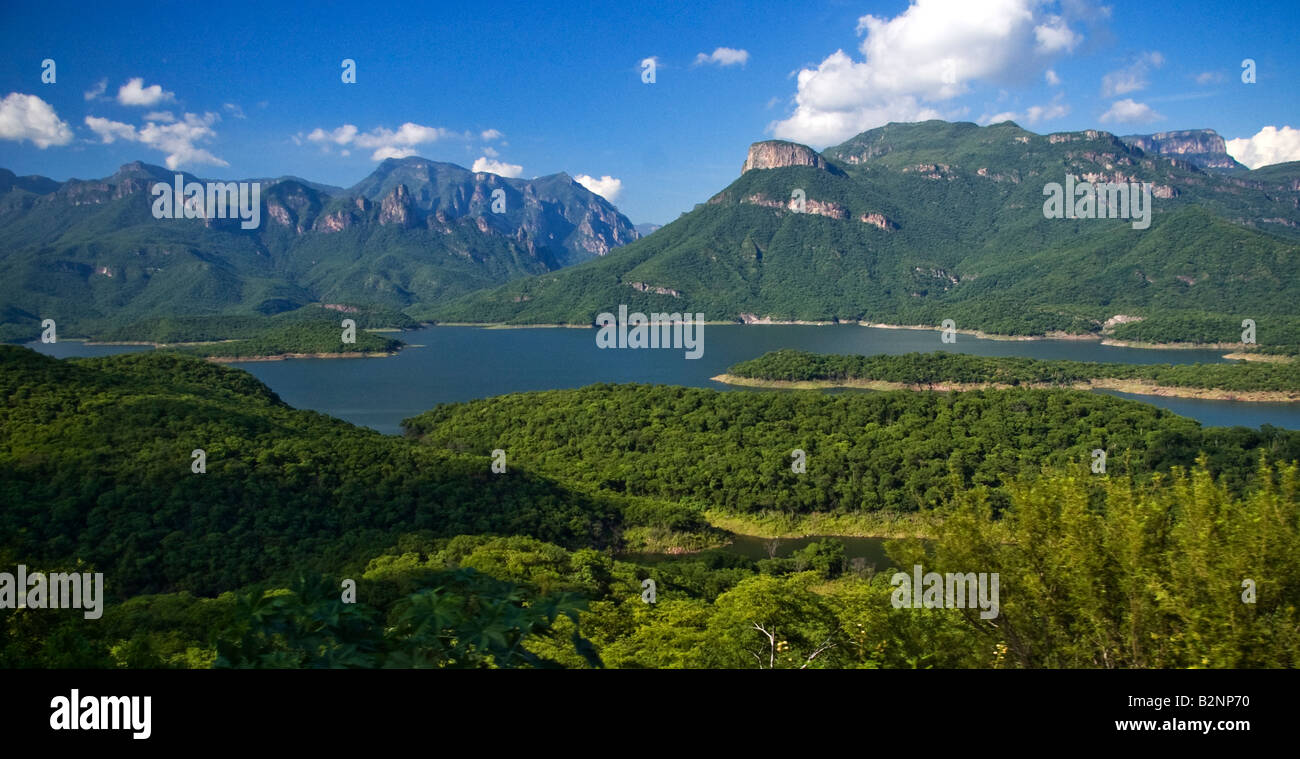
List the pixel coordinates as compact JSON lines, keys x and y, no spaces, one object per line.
{"x":924,"y":369}
{"x":450,"y":564}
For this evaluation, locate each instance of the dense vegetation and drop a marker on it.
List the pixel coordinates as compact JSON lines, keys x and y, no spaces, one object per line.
{"x":300,"y":338}
{"x":193,"y":329}
{"x":966,"y":240}
{"x":1095,"y":572}
{"x":247,"y":564}
{"x":1278,"y":334}
{"x":894,"y":452}
{"x":91,"y":255}
{"x":925,"y":369}
{"x":95,"y":463}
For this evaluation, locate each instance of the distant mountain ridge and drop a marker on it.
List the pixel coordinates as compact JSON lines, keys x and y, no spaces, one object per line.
{"x":921,"y":222}
{"x":1203,"y":148}
{"x":90,"y":254}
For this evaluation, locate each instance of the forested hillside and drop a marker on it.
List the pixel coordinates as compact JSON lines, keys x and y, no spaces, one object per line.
{"x":927,"y":370}
{"x":91,"y":255}
{"x":452,"y":565}
{"x":917,"y":223}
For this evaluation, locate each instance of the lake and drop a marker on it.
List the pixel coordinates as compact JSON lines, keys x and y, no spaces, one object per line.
{"x":449,"y":364}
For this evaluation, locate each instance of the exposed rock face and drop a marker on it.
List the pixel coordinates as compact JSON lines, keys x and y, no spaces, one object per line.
{"x":773,"y":154}
{"x":878,"y":220}
{"x":334,"y":222}
{"x":1199,"y":147}
{"x":395,"y":208}
{"x":643,"y":287}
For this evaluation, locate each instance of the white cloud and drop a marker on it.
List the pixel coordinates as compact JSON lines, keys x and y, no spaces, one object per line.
{"x":488,"y":135}
{"x":724,"y":56}
{"x":1269,"y":146}
{"x":1052,"y":78}
{"x":1127,"y":111}
{"x":1209,"y":77}
{"x":915,"y":62}
{"x":390,"y":151}
{"x":490,"y":152}
{"x":1053,"y":110}
{"x":110,"y":131}
{"x":177,"y":140}
{"x":1131,"y":78}
{"x":606,"y":187}
{"x":485,"y":164}
{"x":234,"y":110}
{"x":27,"y":117}
{"x":135,"y":93}
{"x":386,"y":143}
{"x":341,"y":136}
{"x":95,"y":92}
{"x":1032,"y":115}
{"x":1055,"y":36}
{"x":166,"y":116}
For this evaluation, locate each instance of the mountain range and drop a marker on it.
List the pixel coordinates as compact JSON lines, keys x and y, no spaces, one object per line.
{"x":916,"y":223}
{"x":907,"y":224}
{"x":90,"y":253}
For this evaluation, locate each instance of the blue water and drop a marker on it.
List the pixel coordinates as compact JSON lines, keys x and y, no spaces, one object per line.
{"x":464,"y":363}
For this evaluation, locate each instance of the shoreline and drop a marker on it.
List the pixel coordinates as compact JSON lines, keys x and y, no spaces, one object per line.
{"x":290,"y":356}
{"x":1134,"y":387}
{"x":979,"y":334}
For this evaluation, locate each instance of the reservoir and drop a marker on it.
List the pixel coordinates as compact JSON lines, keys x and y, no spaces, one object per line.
{"x":452,"y":364}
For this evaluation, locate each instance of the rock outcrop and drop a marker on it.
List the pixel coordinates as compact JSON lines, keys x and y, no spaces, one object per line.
{"x":774,"y":154}
{"x":1200,"y":147}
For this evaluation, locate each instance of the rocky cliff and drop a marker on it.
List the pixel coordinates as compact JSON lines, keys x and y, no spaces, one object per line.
{"x":774,"y":154}
{"x":1203,"y":148}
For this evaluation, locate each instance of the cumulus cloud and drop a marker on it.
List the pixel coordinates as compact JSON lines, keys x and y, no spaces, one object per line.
{"x":1055,"y":36}
{"x":135,"y":93}
{"x":488,"y":135}
{"x":1052,"y":78}
{"x":95,"y":92}
{"x":490,"y":152}
{"x":724,"y":56}
{"x":389,"y":151}
{"x":485,"y":164}
{"x":27,"y":117}
{"x":386,"y":143}
{"x":165,"y":116}
{"x":1269,"y":146}
{"x":178,"y":140}
{"x":1131,"y":78}
{"x":1032,"y":115}
{"x":915,"y":62}
{"x":606,"y":187}
{"x":1127,"y":111}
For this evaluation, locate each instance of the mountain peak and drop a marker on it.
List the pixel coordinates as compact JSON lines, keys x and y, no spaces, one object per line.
{"x":774,"y":154}
{"x":1200,"y":147}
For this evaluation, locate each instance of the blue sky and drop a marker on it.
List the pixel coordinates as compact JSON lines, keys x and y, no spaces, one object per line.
{"x":255,"y":90}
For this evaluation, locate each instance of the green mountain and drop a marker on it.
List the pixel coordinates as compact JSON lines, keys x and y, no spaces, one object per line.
{"x":91,"y":255}
{"x":917,"y":223}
